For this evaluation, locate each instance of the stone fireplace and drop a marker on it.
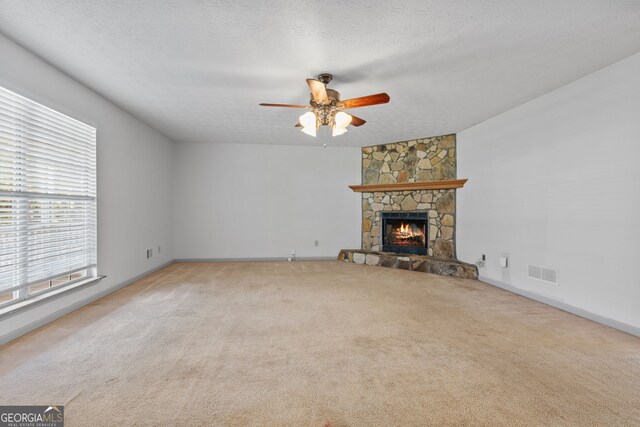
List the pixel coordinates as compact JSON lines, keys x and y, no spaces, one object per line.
{"x":419,"y":160}
{"x":409,"y":207}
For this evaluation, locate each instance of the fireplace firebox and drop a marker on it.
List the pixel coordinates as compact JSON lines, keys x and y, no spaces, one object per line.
{"x":405,"y":232}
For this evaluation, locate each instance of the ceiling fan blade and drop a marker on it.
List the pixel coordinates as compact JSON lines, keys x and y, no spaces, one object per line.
{"x":319,"y":91}
{"x":356,"y":121}
{"x":365,"y":101}
{"x":283,"y":105}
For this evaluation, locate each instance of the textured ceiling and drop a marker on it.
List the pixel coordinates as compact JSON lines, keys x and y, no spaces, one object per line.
{"x":196,"y":70}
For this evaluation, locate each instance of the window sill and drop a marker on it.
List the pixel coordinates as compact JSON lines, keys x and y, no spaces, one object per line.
{"x":19,"y":307}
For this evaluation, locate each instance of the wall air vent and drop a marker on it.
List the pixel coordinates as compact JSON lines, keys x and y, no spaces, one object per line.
{"x":548,"y":275}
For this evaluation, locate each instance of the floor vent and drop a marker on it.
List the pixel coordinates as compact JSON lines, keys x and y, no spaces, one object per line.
{"x":545,"y":274}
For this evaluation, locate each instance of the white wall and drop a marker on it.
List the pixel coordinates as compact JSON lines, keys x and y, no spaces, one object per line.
{"x":262,"y":201}
{"x":556,"y":182}
{"x":134,"y":178}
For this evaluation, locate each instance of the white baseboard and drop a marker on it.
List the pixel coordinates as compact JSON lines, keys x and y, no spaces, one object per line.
{"x":624,"y":327}
{"x":320,"y":258}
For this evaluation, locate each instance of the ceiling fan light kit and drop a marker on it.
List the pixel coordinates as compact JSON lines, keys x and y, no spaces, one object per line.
{"x":309,"y":123}
{"x":326,"y":108}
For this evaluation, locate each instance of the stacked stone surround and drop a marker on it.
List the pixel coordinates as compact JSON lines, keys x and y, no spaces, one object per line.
{"x":419,"y":160}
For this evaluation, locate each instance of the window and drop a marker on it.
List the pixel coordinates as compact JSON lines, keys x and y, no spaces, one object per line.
{"x":47,"y":199}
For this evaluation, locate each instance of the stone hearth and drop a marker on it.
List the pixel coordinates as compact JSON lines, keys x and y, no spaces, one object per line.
{"x":425,"y":264}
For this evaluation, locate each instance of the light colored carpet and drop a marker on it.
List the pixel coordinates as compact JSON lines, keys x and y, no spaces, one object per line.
{"x":323,"y":343}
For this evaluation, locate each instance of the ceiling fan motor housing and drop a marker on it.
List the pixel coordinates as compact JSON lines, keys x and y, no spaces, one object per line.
{"x":326,"y":112}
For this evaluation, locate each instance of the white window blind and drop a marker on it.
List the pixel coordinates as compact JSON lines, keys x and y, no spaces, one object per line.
{"x":47,"y":193}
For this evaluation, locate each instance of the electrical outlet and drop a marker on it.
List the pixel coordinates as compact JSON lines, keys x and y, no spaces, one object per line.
{"x":159,"y":249}
{"x":316,"y":243}
{"x":481,"y":262}
{"x":504,"y":262}
{"x":505,"y":267}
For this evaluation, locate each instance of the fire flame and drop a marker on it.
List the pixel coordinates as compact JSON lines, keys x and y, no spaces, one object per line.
{"x":406,"y":231}
{"x":405,"y":235}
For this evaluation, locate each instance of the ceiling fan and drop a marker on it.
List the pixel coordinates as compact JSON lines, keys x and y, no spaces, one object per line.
{"x":326,"y":107}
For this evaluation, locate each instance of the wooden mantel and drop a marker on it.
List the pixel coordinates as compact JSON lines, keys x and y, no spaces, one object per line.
{"x":403,"y":186}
